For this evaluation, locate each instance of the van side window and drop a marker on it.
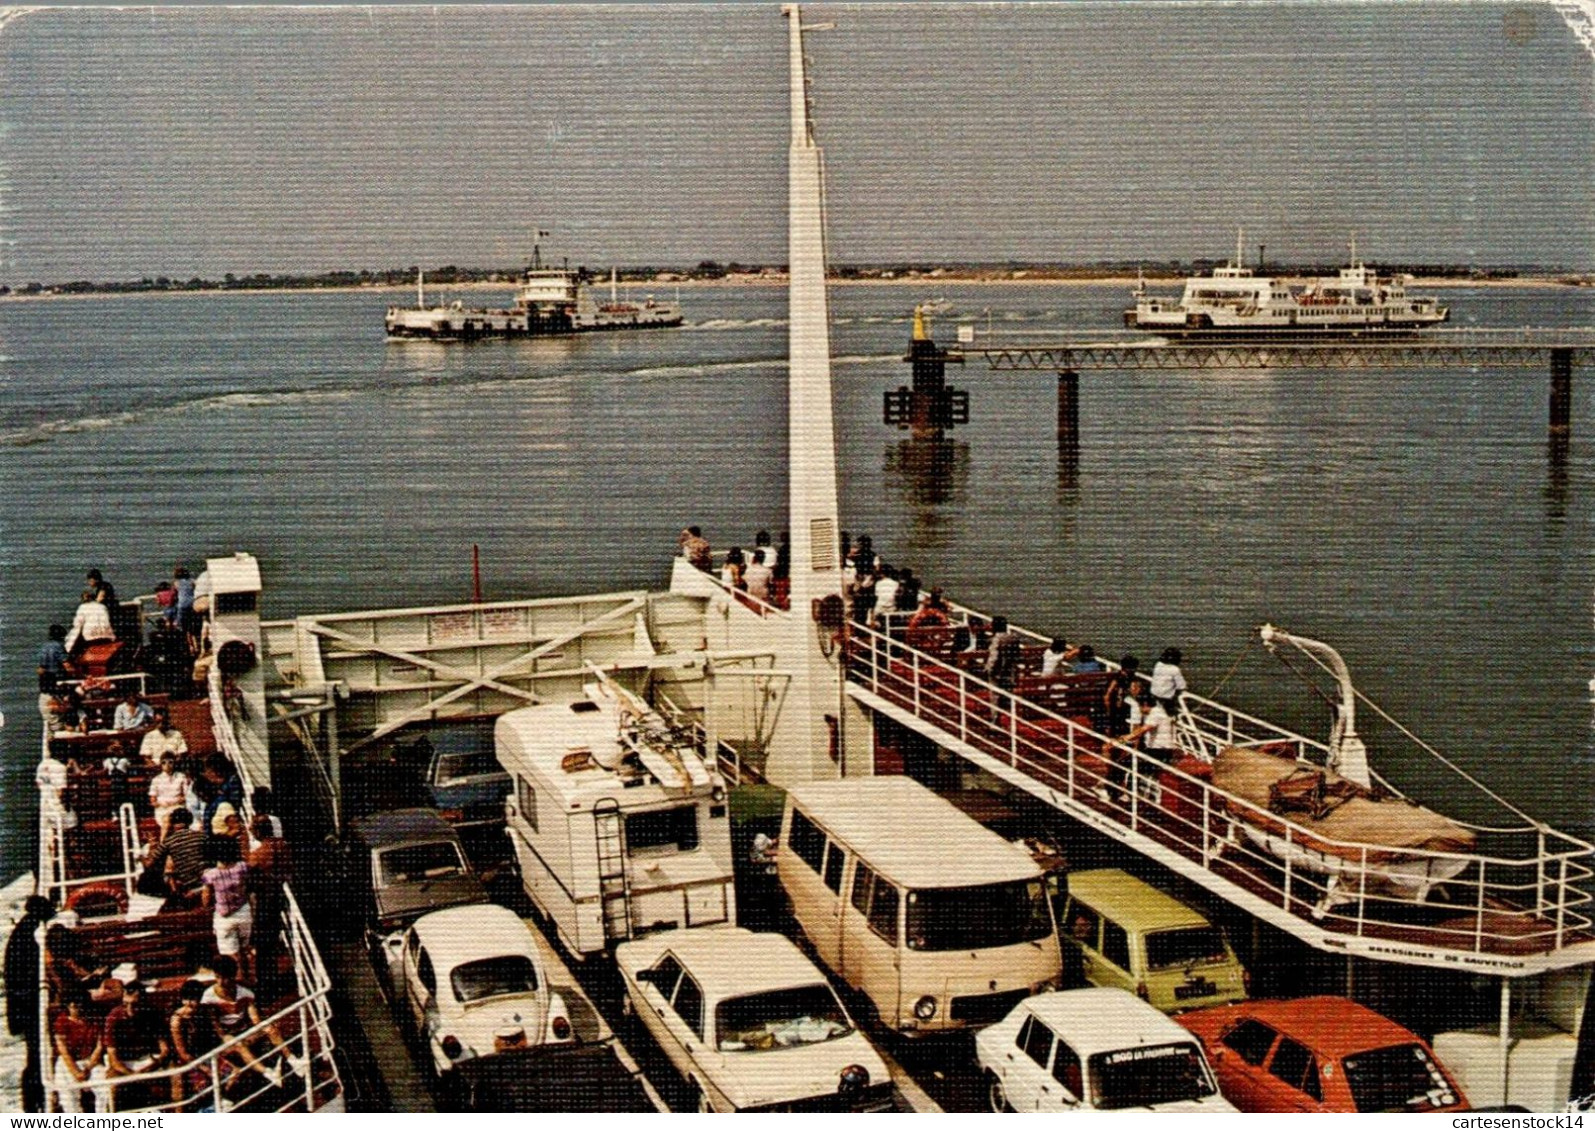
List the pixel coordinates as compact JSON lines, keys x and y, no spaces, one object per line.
{"x":1036,"y":1040}
{"x":1066,"y":1070}
{"x":664,"y":975}
{"x":1115,"y":944}
{"x":833,"y":867}
{"x":863,"y":887}
{"x":808,"y":842}
{"x":1082,"y":924}
{"x":1251,"y":1040}
{"x":883,"y":911}
{"x":526,"y":802}
{"x":1296,"y":1066}
{"x":689,"y":1004}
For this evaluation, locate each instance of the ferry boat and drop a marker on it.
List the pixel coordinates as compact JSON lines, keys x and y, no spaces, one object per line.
{"x":1235,"y":302}
{"x":754,"y":692}
{"x":548,"y":300}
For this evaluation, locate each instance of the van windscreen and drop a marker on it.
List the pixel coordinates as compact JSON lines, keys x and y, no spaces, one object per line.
{"x":983,"y":915}
{"x":1185,"y":946}
{"x":1149,"y":1075}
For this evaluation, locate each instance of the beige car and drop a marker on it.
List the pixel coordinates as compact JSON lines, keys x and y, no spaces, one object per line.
{"x":750,"y":1023}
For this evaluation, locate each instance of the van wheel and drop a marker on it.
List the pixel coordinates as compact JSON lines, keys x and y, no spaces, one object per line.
{"x":996,"y":1095}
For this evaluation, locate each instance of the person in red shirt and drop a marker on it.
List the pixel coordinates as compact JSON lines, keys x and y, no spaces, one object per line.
{"x":79,"y":1057}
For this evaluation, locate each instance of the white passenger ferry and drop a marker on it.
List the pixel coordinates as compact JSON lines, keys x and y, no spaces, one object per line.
{"x":1234,"y":302}
{"x":548,"y":300}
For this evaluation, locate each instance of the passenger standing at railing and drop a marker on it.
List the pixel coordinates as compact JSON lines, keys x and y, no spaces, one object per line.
{"x":22,"y":993}
{"x":731,"y":572}
{"x":91,"y":624}
{"x":226,"y":893}
{"x":886,"y":589}
{"x":53,"y":668}
{"x":781,"y":584}
{"x":1116,"y":699}
{"x":1002,"y":658}
{"x":1056,"y":654}
{"x":759,"y":574}
{"x":1168,"y":682}
{"x":695,"y":548}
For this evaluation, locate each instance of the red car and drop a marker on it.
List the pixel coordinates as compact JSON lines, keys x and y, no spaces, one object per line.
{"x":1320,"y":1054}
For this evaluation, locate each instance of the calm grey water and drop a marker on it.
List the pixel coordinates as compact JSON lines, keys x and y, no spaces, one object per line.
{"x":1413,"y":519}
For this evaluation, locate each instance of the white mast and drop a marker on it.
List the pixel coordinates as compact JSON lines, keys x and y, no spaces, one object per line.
{"x":420,"y":289}
{"x":612,"y":296}
{"x":816,"y":573}
{"x":1240,"y":234}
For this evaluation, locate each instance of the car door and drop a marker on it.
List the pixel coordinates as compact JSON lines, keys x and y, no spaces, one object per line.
{"x":685,"y":1022}
{"x":1294,"y":1083}
{"x":1113,"y":964}
{"x":1082,"y":938}
{"x":1238,"y":1057}
{"x":1067,"y":1087}
{"x":1027,"y":1064}
{"x":657,"y":986}
{"x":420,"y":983}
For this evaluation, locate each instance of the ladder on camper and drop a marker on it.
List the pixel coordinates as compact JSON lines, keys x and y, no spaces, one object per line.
{"x":614,"y":892}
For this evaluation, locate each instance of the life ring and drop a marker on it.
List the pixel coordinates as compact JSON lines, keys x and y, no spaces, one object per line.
{"x":90,"y":900}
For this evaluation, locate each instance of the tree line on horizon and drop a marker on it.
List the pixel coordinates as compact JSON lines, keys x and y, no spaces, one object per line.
{"x":709,"y":269}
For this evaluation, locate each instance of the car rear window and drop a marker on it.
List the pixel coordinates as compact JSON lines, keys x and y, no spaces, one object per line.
{"x":1185,"y":946}
{"x":779,"y":1019}
{"x":1149,"y":1075}
{"x":492,"y":977}
{"x":412,"y":863}
{"x":1399,"y":1078}
{"x":453,"y":767}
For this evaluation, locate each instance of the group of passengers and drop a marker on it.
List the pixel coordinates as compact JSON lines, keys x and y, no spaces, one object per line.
{"x":112,"y":1028}
{"x":763,"y":573}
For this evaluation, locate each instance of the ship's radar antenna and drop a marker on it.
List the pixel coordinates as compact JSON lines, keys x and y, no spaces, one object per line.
{"x":537,"y":249}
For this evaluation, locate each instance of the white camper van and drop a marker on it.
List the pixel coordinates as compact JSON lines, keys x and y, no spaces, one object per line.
{"x":937,"y":919}
{"x":619,"y":825}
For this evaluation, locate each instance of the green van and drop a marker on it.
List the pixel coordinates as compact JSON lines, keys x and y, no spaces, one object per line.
{"x":1128,"y":934}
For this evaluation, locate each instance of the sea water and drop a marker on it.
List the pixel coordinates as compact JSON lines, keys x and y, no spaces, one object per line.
{"x":1417,"y":520}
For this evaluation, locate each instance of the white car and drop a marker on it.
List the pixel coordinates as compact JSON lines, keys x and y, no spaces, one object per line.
{"x":750,"y":1023}
{"x":473,"y":984}
{"x":1094,"y":1050}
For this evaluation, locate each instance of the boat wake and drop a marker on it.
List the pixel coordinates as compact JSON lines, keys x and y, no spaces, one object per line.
{"x":712,"y":324}
{"x":703,"y":369}
{"x":48,"y":430}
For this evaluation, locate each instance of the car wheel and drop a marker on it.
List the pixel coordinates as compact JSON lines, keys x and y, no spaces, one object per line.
{"x":996,"y":1095}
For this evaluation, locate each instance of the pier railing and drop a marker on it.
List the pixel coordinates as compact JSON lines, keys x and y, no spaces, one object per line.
{"x":1524,"y":898}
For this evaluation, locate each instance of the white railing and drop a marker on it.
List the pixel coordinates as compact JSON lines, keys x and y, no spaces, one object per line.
{"x":1521,"y":898}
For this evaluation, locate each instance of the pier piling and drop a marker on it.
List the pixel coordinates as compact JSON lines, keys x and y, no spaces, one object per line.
{"x":1561,"y":391}
{"x":1069,"y":413}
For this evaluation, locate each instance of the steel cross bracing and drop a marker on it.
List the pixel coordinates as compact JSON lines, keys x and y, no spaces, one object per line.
{"x":1514,"y":349}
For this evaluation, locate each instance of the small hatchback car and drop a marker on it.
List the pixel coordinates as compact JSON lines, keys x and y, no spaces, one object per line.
{"x":1320,"y":1054}
{"x":472,"y":984}
{"x":750,"y":1023}
{"x":1094,"y":1050}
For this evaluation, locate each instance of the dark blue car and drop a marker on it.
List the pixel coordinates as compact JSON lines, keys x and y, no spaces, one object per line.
{"x":460,"y":777}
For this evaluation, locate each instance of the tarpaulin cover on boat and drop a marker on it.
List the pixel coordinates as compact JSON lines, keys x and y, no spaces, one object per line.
{"x":1344,"y":814}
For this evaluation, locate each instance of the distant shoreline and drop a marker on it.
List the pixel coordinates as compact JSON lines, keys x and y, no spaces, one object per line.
{"x":930,"y":284}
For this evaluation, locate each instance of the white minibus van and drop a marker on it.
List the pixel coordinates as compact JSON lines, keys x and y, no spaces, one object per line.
{"x":940,"y":922}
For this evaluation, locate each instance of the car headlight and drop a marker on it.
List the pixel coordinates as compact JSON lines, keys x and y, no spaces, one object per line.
{"x":925,"y":1008}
